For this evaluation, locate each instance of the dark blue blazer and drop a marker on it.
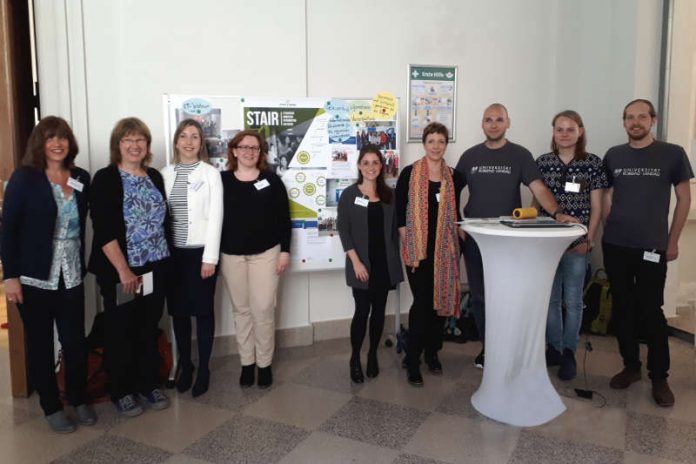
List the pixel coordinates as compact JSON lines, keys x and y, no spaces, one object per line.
{"x":28,"y":222}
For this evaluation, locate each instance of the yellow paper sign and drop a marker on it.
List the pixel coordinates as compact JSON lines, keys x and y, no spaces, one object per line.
{"x":384,"y":106}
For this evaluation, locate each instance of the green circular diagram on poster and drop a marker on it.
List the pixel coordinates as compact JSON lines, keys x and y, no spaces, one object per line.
{"x":321,"y":181}
{"x":321,"y":200}
{"x":309,"y":189}
{"x":294,"y":192}
{"x":303,"y":157}
{"x":300,"y":177}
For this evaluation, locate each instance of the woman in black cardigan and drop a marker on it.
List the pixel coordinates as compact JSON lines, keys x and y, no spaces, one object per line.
{"x":130,"y":218}
{"x":44,"y":213}
{"x":367,"y":227}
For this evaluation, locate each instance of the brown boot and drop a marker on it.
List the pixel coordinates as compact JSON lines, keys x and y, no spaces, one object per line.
{"x":624,"y":379}
{"x":662,"y":394}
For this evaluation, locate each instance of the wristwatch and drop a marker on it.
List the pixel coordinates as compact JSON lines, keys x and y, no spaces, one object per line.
{"x":556,"y":213}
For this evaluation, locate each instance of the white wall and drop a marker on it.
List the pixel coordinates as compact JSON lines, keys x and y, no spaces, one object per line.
{"x":102,"y":60}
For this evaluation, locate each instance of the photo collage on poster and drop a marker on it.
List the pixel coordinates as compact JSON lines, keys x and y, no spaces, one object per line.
{"x":313,"y":146}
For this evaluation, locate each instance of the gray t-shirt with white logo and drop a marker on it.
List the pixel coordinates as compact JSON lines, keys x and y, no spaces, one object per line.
{"x":642,"y":179}
{"x":494,"y":178}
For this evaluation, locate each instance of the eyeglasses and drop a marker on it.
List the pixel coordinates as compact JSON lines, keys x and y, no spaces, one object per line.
{"x":129,"y":142}
{"x":248,"y":148}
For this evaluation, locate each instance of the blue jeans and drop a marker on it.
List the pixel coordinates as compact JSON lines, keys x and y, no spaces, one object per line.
{"x":567,"y":288}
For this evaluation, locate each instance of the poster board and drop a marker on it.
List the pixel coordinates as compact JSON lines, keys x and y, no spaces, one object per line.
{"x":313,"y":146}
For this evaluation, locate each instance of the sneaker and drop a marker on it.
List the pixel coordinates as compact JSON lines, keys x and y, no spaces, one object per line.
{"x":553,"y":357}
{"x":568,"y":369}
{"x":156,"y":399}
{"x":265,"y":377}
{"x":434,"y":364}
{"x":478,"y":362}
{"x":85,"y":414}
{"x":414,"y":377}
{"x":60,"y":423}
{"x":127,"y":406}
{"x":247,"y":377}
{"x":624,"y":379}
{"x":662,"y":394}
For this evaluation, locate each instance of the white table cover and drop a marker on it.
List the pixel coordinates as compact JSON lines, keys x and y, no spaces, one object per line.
{"x":519,"y":267}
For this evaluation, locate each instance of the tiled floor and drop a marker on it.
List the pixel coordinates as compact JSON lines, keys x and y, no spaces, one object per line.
{"x":313,"y":414}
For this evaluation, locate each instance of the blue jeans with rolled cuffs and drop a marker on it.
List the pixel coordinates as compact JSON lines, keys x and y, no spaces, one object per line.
{"x":568,"y":285}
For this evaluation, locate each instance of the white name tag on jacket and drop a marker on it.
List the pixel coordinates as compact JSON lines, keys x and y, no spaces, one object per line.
{"x":75,"y":184}
{"x":651,"y":256}
{"x":362,"y":201}
{"x":572,"y":187}
{"x":195,"y":186}
{"x":262,"y":184}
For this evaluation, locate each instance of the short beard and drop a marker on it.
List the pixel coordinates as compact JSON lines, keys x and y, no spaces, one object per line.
{"x":496,"y":139}
{"x":642,"y":135}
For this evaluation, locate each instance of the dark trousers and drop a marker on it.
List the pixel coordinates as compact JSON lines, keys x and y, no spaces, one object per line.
{"x":131,"y":353}
{"x":474,"y":272}
{"x":426,"y":328}
{"x":205,"y":330}
{"x":366,"y":299}
{"x":67,"y":308}
{"x":188,"y":296}
{"x":637,"y":288}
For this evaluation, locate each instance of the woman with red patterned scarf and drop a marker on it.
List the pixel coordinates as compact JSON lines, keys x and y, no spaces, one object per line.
{"x":427,"y":208}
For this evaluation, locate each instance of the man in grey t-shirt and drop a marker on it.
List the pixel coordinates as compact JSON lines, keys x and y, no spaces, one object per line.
{"x":493,"y":171}
{"x":637,"y":243}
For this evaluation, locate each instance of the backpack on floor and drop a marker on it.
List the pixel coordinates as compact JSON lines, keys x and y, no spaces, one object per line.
{"x":597,"y":298}
{"x":463,"y":328}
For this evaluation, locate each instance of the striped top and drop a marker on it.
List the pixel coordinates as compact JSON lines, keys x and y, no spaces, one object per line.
{"x":178,"y":202}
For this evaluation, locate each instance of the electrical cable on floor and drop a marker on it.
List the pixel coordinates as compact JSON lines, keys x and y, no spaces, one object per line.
{"x":587,"y":393}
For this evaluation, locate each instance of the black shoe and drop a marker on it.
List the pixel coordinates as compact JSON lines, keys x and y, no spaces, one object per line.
{"x":372,"y":370}
{"x":478,"y":362}
{"x":434,"y":365}
{"x":246,"y":379}
{"x":184,"y":378}
{"x":414,"y":377}
{"x":356,"y":372}
{"x":265,"y":377}
{"x":553,"y":357}
{"x":202,"y":383}
{"x":568,"y":369}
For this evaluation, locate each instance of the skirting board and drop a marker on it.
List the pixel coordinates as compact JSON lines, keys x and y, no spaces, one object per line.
{"x":300,"y":336}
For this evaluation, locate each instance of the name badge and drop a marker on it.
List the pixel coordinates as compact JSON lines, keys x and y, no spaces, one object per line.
{"x":651,"y":256}
{"x":195,"y":186}
{"x":75,"y":184}
{"x":572,"y":187}
{"x":362,"y":201}
{"x":437,"y":197}
{"x":262,"y":184}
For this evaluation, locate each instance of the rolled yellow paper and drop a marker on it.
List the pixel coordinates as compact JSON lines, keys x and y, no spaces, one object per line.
{"x":525,"y":213}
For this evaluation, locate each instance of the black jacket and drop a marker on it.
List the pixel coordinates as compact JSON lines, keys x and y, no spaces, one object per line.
{"x":106,"y":210}
{"x":29,"y":219}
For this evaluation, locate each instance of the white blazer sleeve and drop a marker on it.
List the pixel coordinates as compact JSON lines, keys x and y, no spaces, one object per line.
{"x":211,"y":252}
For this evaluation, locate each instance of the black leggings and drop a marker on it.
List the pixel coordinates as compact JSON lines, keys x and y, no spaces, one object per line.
{"x":205,"y":329}
{"x":364,"y":300}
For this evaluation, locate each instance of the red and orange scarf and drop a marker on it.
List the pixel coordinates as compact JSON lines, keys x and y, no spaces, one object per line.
{"x":446,"y":286}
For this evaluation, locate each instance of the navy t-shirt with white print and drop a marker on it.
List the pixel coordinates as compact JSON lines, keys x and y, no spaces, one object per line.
{"x":494,"y":177}
{"x":642,"y":179}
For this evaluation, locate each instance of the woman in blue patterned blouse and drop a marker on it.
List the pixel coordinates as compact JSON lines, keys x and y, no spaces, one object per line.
{"x":576,"y":179}
{"x":130,"y":255}
{"x":42,"y":254}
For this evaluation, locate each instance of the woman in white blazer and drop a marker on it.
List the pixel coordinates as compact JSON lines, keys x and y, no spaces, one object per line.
{"x":194,"y":197}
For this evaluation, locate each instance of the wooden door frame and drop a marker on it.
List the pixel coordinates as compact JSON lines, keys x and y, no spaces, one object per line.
{"x":17,"y":111}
